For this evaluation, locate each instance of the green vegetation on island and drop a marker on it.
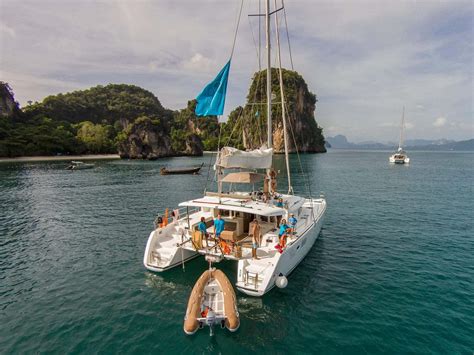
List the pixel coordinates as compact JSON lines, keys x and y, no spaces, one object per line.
{"x":131,"y":121}
{"x":246,"y":126}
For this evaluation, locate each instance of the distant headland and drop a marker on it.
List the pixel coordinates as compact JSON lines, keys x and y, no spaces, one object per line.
{"x":341,"y":142}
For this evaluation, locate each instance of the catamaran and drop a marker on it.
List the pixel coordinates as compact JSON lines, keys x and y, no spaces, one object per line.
{"x":252,"y":217}
{"x":400,"y":156}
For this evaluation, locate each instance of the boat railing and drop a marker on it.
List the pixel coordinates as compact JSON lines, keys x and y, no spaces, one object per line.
{"x":168,"y":216}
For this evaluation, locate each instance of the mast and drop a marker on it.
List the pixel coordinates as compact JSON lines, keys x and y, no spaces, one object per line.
{"x":283,"y":110}
{"x":269,"y":89}
{"x":269,"y":76}
{"x":400,"y":143}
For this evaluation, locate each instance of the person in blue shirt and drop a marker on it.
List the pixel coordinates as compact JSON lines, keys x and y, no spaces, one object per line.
{"x":282,"y":235}
{"x":279,"y":203}
{"x":293,"y":222}
{"x":203,"y":229}
{"x":218,"y":225}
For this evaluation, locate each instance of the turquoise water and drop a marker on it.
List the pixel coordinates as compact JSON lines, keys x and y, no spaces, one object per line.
{"x":392,"y":271}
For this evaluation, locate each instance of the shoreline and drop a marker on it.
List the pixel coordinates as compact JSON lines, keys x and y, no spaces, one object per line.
{"x":60,"y":158}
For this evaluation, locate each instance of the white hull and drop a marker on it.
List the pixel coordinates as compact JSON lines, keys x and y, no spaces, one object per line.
{"x":161,"y":252}
{"x":395,"y":160}
{"x":283,"y":264}
{"x":169,"y":247}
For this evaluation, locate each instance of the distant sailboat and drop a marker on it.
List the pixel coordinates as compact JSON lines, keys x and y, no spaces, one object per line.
{"x":400,"y":156}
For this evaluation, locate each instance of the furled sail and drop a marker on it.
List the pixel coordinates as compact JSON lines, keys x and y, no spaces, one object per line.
{"x":230,"y":157}
{"x":211,"y":100}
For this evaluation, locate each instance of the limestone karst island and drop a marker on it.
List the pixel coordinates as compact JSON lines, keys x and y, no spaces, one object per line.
{"x":132,"y":122}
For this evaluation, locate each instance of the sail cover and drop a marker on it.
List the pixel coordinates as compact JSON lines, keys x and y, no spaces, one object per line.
{"x":211,"y":100}
{"x":230,"y":157}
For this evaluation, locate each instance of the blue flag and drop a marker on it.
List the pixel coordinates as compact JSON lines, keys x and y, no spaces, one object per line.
{"x":210,"y":102}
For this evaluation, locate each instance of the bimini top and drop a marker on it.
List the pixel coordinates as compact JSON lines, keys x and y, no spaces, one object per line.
{"x":234,"y":204}
{"x":230,"y":157}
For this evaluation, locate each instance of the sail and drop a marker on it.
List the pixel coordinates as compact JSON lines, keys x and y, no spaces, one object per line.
{"x":211,"y":100}
{"x":230,"y":157}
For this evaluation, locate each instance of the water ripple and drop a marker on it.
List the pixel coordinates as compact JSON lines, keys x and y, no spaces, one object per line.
{"x":392,"y":270}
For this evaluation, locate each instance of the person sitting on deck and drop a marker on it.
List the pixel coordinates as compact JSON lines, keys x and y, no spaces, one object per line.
{"x":293,"y":222}
{"x":280,"y":203}
{"x":203,"y":229}
{"x":282,"y":236}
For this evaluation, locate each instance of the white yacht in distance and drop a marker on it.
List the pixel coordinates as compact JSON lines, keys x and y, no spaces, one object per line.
{"x":400,"y":156}
{"x":250,"y":215}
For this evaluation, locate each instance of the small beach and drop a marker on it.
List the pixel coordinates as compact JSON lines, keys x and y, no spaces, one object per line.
{"x":61,"y":158}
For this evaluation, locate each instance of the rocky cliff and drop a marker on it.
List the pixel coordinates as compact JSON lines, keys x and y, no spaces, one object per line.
{"x":182,"y":134}
{"x":250,"y":121}
{"x":8,"y":106}
{"x":113,"y":118}
{"x":131,"y":121}
{"x":147,"y":139}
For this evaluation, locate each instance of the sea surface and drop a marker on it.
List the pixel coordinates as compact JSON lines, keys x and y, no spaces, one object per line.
{"x":391,"y":272}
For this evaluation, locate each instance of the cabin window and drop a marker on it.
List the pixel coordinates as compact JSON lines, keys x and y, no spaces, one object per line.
{"x":224,"y":213}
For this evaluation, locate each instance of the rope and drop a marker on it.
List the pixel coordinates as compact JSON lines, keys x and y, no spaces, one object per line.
{"x":308,"y":186}
{"x":182,"y":256}
{"x":259,"y":38}
{"x":253,"y":38}
{"x":287,"y":35}
{"x":237,"y":28}
{"x":208,"y":173}
{"x":235,"y":126}
{"x":254,"y":109}
{"x":231,"y":55}
{"x":218,"y":150}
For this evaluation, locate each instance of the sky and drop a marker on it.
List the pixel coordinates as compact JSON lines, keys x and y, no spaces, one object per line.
{"x":365,"y":60}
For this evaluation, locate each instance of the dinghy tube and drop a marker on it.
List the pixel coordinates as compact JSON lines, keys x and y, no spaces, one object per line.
{"x":194,"y":320}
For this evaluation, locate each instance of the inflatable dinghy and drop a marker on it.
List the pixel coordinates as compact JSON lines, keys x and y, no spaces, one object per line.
{"x":212,"y":302}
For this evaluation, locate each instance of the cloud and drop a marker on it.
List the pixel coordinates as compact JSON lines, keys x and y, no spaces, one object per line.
{"x":7,"y":30}
{"x":440,"y":122}
{"x":199,"y":62}
{"x":364,"y":59}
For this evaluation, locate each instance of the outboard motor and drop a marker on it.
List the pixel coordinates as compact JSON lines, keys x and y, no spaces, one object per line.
{"x":210,"y":320}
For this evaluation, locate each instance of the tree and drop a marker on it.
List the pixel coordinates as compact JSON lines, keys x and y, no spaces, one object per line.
{"x":97,"y":138}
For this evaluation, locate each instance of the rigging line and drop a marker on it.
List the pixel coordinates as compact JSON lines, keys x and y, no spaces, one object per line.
{"x":216,"y":177}
{"x":252,"y":111}
{"x":253,"y":107}
{"x":287,"y":35}
{"x":235,"y":126}
{"x":308,"y":186}
{"x":231,"y":55}
{"x":283,"y":106}
{"x":210,"y":159}
{"x":237,"y":28}
{"x":259,"y":37}
{"x":208,"y":172}
{"x":253,"y":38}
{"x":241,"y":117}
